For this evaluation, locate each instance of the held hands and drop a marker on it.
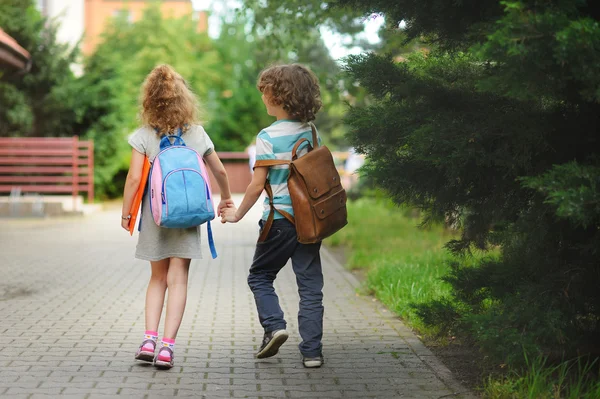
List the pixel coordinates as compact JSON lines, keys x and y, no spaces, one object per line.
{"x":224,"y":204}
{"x":229,"y":215}
{"x":227,"y":211}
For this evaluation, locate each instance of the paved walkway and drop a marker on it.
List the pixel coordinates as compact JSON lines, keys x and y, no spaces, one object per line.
{"x":72,"y":316}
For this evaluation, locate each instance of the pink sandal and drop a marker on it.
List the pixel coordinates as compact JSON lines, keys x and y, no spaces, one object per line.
{"x":144,"y":353}
{"x":164,"y":360}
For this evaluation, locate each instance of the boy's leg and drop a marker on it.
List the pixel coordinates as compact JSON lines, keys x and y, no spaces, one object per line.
{"x":306,"y":262}
{"x":269,"y":258}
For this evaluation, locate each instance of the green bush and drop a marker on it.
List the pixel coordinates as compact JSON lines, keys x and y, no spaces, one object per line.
{"x":496,"y":131}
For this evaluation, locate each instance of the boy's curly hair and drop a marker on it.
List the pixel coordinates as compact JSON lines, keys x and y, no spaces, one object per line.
{"x":294,"y":86}
{"x":167,"y":103}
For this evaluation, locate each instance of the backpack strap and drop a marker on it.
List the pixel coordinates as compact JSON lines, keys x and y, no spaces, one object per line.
{"x":297,"y":146}
{"x":269,"y":222}
{"x":165,"y":142}
{"x":177,"y":140}
{"x":267,"y":227}
{"x":315,"y":142}
{"x":211,"y":241}
{"x":270,"y":162}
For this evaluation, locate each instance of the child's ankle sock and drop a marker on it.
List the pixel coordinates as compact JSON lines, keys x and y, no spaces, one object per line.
{"x":150,"y":335}
{"x":166,"y":343}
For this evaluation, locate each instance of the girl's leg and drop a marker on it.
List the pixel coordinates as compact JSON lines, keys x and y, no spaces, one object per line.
{"x":155,"y":295}
{"x":177,"y":281}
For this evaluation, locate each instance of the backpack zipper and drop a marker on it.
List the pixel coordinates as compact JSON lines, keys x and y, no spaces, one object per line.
{"x":187,"y":203}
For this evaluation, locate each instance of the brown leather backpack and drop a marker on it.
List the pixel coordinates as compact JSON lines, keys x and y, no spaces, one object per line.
{"x":318,"y":198}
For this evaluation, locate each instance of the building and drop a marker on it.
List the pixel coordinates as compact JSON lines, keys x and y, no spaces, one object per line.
{"x":71,"y":16}
{"x":12,"y":55}
{"x":87,"y":18}
{"x":97,"y":12}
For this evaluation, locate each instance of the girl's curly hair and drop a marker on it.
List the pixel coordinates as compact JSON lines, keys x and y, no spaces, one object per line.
{"x":167,"y":103}
{"x":294,"y":86}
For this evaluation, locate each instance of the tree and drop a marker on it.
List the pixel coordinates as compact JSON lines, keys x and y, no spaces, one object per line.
{"x":284,"y":22}
{"x":43,"y":102}
{"x":237,"y":112}
{"x":496,"y":130}
{"x":114,"y":74}
{"x":289,"y":31}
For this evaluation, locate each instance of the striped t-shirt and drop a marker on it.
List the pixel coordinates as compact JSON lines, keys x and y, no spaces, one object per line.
{"x":277,"y":142}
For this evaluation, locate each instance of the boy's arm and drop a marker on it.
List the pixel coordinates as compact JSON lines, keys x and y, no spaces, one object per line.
{"x":253,"y":191}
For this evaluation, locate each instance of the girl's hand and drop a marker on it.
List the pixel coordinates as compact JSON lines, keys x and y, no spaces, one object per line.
{"x":229,"y":215}
{"x":224,"y":204}
{"x":125,"y":223}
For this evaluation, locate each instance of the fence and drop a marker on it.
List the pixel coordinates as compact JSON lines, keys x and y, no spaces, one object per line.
{"x":48,"y":165}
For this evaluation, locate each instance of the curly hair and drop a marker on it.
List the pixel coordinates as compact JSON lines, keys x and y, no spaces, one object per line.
{"x":167,"y":103}
{"x":294,"y":86}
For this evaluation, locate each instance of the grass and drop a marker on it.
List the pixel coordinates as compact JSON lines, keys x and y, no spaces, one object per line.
{"x":403,"y":262}
{"x":403,"y":265}
{"x":573,"y":379}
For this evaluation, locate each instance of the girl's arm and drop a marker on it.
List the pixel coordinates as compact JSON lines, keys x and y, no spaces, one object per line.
{"x":216,"y":167}
{"x":134,"y":176}
{"x":252,"y":194}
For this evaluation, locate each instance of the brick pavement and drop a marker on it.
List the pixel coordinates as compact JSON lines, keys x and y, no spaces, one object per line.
{"x":72,"y":316}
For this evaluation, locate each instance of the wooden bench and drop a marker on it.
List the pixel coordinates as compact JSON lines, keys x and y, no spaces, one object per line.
{"x":47,"y":165}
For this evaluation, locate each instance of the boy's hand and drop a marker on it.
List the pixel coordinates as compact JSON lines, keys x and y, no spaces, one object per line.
{"x":224,"y":204}
{"x":228,"y":215}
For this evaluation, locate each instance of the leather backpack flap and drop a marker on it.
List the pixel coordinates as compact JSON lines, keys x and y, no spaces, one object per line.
{"x":331,"y":214}
{"x":318,"y":172}
{"x":318,"y":198}
{"x":330,"y":204}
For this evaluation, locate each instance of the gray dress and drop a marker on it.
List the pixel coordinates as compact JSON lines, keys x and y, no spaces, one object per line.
{"x":154,"y":242}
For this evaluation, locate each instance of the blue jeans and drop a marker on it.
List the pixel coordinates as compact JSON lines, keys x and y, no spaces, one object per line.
{"x":270,"y":257}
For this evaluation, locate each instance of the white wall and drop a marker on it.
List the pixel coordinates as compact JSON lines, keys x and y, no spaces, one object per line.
{"x":71,"y":16}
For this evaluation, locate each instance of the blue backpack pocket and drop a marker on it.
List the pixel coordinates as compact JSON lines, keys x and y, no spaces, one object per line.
{"x":186,"y":199}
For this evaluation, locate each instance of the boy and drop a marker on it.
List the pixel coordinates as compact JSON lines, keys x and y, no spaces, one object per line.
{"x":291,"y":94}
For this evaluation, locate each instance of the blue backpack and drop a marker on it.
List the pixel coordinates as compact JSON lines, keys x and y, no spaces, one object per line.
{"x":179,"y":188}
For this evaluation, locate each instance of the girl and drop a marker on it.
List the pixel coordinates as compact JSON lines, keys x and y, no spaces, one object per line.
{"x":167,"y":105}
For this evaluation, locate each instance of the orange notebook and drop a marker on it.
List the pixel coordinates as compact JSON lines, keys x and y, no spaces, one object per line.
{"x":137,"y":200}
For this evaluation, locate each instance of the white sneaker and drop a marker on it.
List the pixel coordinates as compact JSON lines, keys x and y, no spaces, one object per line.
{"x":313,"y":362}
